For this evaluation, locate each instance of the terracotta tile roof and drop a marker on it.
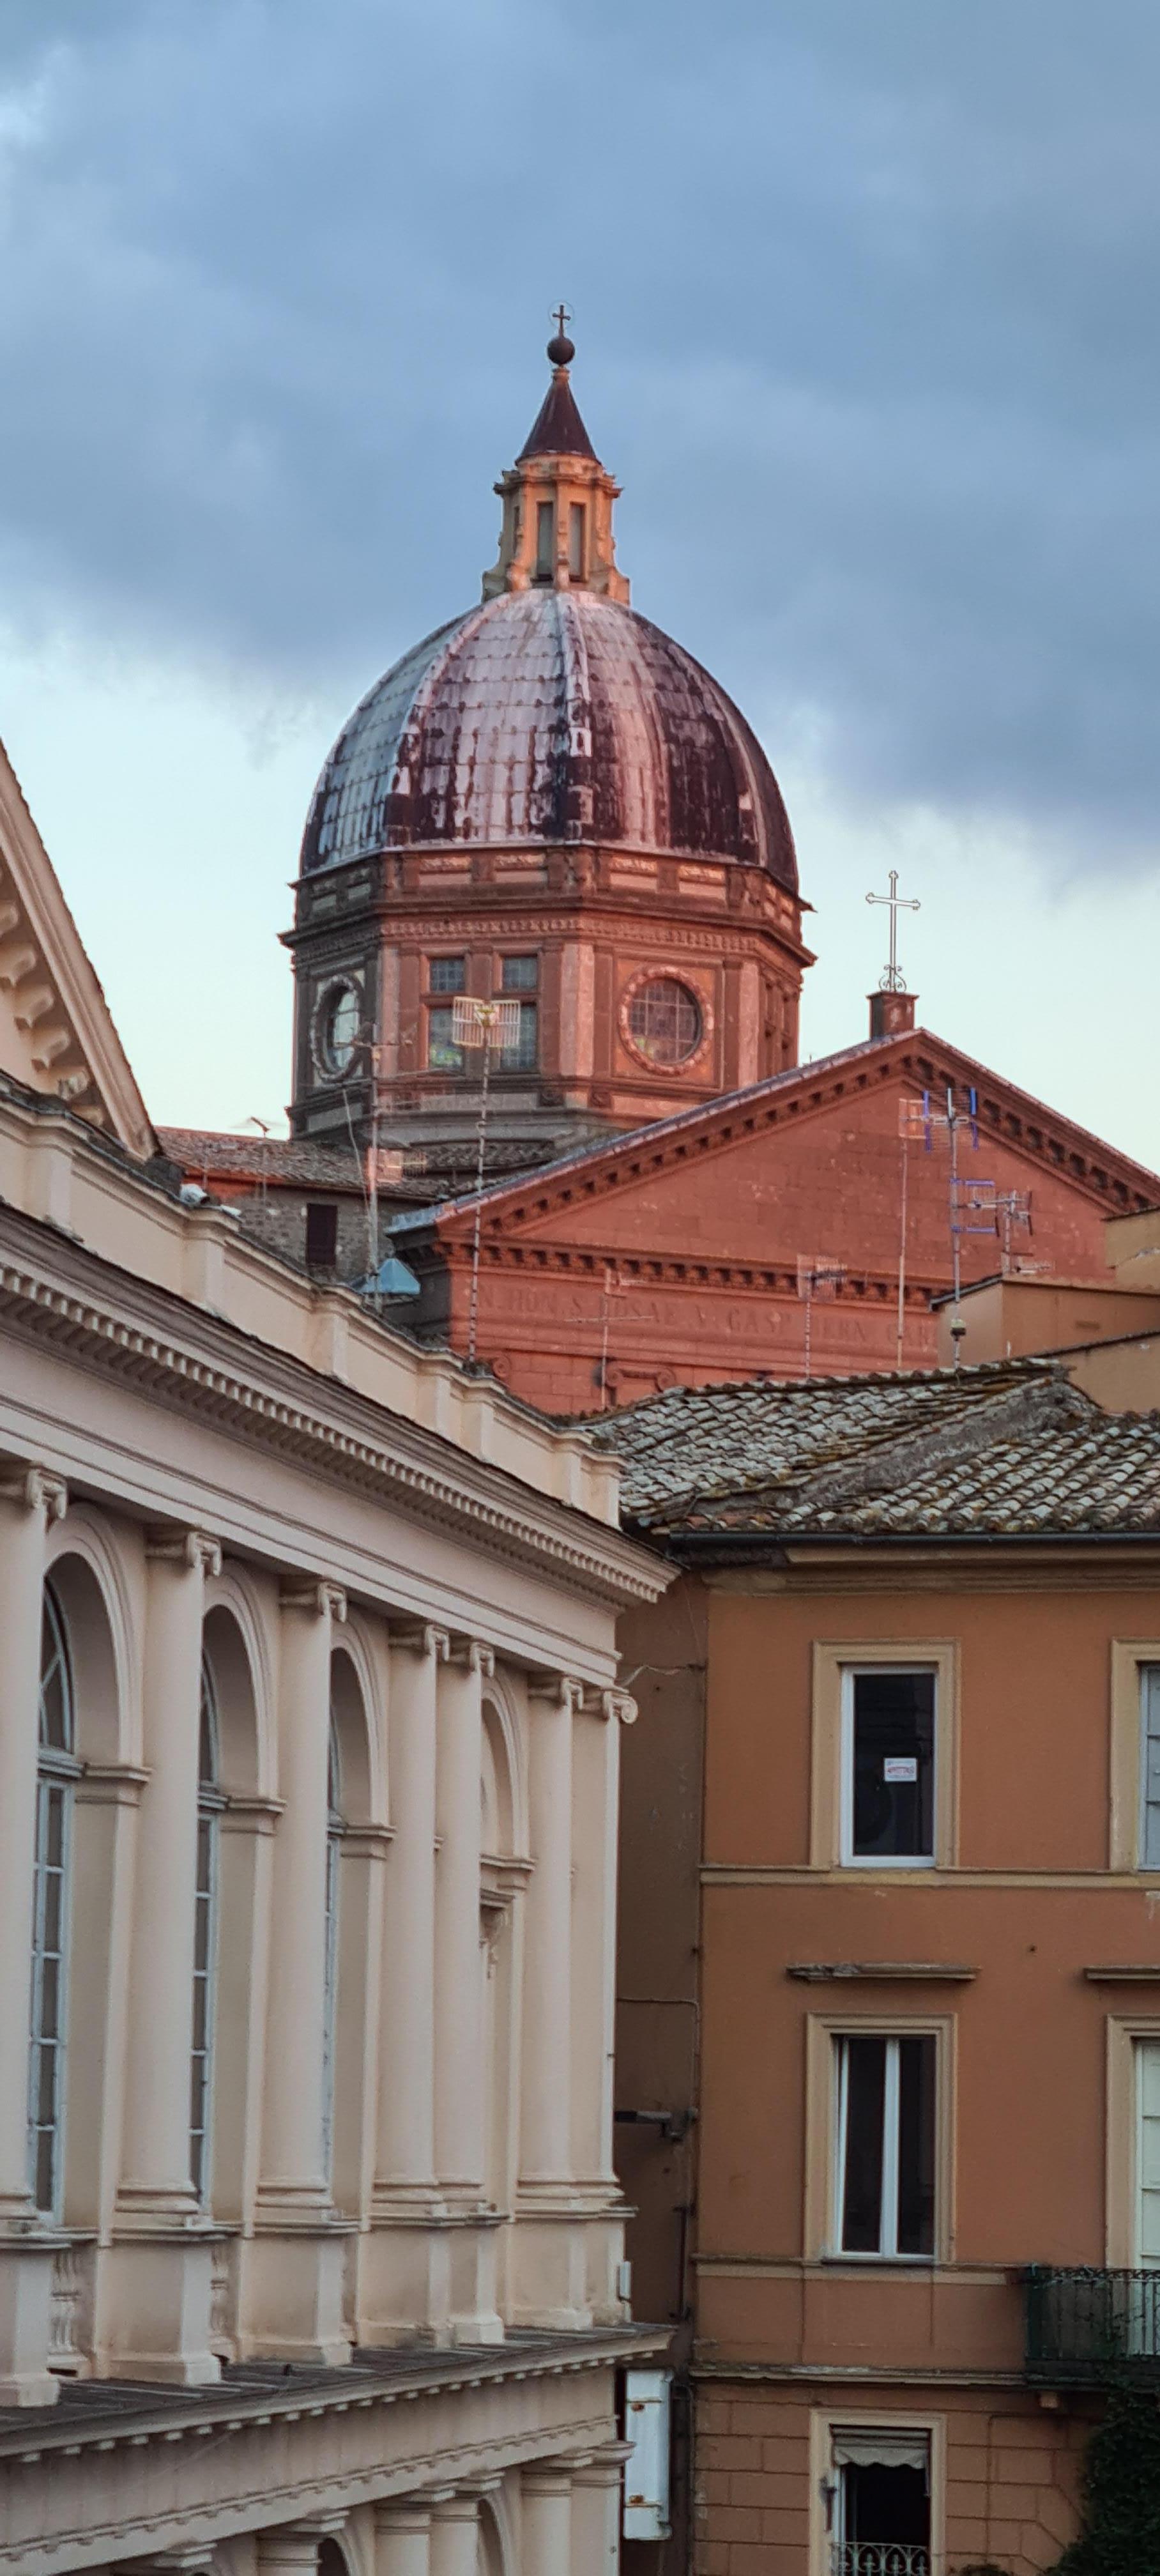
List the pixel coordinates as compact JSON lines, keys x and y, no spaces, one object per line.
{"x":282,"y":1159}
{"x":1012,"y":1449}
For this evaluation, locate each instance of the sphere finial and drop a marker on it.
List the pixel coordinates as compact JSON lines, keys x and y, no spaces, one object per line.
{"x":561,"y":350}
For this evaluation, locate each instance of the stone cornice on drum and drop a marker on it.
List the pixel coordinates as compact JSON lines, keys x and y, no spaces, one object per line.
{"x":92,"y":1313}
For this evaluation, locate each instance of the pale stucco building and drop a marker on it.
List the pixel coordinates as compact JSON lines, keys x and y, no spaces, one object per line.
{"x":310,"y":2242}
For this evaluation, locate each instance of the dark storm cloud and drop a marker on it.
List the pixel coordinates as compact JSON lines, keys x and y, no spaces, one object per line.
{"x":865,"y":295}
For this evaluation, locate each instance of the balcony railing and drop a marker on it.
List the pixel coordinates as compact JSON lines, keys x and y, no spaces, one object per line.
{"x":1086,"y":2328}
{"x":881,"y":2558}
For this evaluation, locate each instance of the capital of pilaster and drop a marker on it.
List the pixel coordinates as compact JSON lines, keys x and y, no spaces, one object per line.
{"x":421,"y":1637}
{"x":547,"y":2478}
{"x":472,"y":1656}
{"x":410,"y":2515}
{"x":35,"y":1489}
{"x":192,"y":1550}
{"x":619,"y":1707}
{"x":319,"y":1599}
{"x":558,"y":1690}
{"x":602,"y":2468}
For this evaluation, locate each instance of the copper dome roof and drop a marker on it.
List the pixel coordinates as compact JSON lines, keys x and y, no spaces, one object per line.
{"x":549,"y":715}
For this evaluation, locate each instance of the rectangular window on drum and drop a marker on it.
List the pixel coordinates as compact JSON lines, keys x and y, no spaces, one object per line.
{"x":888,"y":1768}
{"x":545,"y":540}
{"x":519,"y":974}
{"x":886,"y":2146}
{"x":1150,"y":1766}
{"x":447,"y":974}
{"x":524,"y":1055}
{"x":577,"y":529}
{"x":443,"y":1056}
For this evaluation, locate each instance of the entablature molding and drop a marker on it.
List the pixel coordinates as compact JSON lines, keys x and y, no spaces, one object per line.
{"x":346,"y":1437}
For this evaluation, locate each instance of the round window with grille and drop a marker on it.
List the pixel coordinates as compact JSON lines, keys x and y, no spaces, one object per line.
{"x":664,"y":1021}
{"x":337,"y":1031}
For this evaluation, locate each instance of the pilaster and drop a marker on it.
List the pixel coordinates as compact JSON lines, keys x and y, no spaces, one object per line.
{"x":155,"y":2292}
{"x":293,"y":2302}
{"x":31,"y":1499}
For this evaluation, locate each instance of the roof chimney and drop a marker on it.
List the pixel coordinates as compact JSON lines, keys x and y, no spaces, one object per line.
{"x":891,"y":1014}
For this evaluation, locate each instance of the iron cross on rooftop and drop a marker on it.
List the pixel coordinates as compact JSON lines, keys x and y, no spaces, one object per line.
{"x":892,"y":981}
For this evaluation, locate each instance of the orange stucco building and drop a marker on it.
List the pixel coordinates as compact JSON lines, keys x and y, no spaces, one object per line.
{"x":890,"y":1959}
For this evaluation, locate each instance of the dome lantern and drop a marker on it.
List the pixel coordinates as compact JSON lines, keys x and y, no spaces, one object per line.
{"x":556,"y":532}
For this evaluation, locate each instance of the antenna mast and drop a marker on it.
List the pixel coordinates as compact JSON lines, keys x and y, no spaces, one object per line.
{"x":492,"y":1027}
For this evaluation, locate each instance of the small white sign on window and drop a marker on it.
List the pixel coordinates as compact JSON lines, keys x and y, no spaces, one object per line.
{"x":900,"y":1766}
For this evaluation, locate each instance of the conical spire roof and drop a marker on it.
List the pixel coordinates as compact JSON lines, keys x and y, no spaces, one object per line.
{"x":558,"y":429}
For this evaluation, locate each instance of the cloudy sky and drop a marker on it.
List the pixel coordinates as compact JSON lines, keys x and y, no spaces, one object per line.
{"x":865,"y":308}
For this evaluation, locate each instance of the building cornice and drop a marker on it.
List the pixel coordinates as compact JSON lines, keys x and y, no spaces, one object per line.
{"x":371,"y":2379}
{"x":96,"y":1317}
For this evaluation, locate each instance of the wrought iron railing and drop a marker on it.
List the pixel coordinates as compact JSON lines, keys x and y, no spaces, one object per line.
{"x":881,"y":2558}
{"x":1087,"y":2327}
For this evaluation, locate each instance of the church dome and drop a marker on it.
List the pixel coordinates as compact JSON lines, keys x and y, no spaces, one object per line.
{"x":551,"y":713}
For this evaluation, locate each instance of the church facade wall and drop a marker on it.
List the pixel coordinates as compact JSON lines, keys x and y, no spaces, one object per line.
{"x":678,"y":1256}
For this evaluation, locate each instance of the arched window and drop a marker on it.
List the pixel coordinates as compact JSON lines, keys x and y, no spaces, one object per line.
{"x":334,"y":1832}
{"x":57,"y":1771}
{"x":209,"y":1807}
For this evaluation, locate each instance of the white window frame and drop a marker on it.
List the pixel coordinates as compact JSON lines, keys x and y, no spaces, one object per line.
{"x":1148,"y":1676}
{"x":848,"y":1857}
{"x":210,"y":1807}
{"x":57,"y":1772}
{"x":335,"y":1828}
{"x":891,"y":2102}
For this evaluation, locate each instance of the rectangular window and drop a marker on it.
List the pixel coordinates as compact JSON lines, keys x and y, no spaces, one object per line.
{"x":524,"y":1055}
{"x":545,"y":540}
{"x":519,"y":974}
{"x":884,"y":2180}
{"x":576,"y":536}
{"x":321,"y":1235}
{"x":447,"y":974}
{"x":49,"y":1942}
{"x":888,"y":1758}
{"x":879,"y":2500}
{"x":1149,"y":1766}
{"x":443,"y":1056}
{"x":204,"y":1964}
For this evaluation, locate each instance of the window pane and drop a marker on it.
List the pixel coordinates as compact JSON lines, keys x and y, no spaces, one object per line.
{"x":44,"y":2178}
{"x":865,"y":2069}
{"x":916,"y":2146}
{"x":664,"y":1020}
{"x":448,"y":974}
{"x":545,"y":540}
{"x":523,"y":1056}
{"x":1150,"y":1716}
{"x":442,"y":1053}
{"x":893,"y":1765}
{"x":519,"y":974}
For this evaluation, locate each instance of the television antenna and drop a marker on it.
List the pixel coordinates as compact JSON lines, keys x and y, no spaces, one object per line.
{"x":816,"y":1277}
{"x":1013,"y":1215}
{"x":490,"y":1028}
{"x":614,"y":1286}
{"x":945,"y":1115}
